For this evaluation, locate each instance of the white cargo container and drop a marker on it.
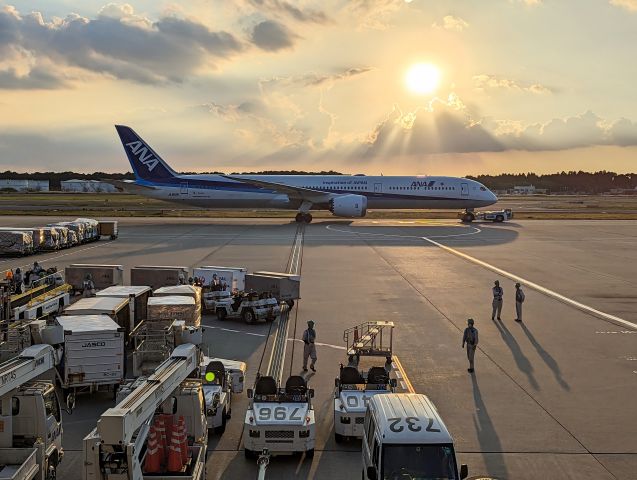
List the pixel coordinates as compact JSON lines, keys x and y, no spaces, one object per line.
{"x":231,"y":279}
{"x":138,"y":299}
{"x":93,"y":353}
{"x":116,"y":308}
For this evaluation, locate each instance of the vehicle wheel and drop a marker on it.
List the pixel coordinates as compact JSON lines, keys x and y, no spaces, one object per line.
{"x":221,"y":429}
{"x":249,"y":454}
{"x":307,"y":218}
{"x":338,"y":438}
{"x":290,"y":303}
{"x":309,"y":453}
{"x":499,"y":218}
{"x":248,"y":316}
{"x":299,"y":218}
{"x":221,"y":314}
{"x":468,"y":217}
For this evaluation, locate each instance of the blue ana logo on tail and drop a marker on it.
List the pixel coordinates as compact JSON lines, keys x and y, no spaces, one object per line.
{"x":144,"y":156}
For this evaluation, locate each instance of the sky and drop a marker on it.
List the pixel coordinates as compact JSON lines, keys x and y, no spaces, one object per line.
{"x":248,"y":85}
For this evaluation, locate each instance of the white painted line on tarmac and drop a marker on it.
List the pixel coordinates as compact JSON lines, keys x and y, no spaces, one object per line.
{"x":329,"y":345}
{"x":231,"y":330}
{"x":534,"y":286}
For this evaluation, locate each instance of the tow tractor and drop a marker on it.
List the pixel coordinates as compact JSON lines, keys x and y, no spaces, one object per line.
{"x":249,"y":306}
{"x":355,"y":387}
{"x":157,"y":431}
{"x":497,"y":216}
{"x":279,"y":421}
{"x":217,"y":391}
{"x":30,"y":419}
{"x":213,"y":297}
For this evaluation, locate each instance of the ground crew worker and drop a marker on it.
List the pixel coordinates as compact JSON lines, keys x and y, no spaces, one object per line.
{"x":88,"y":286}
{"x":519,"y":300}
{"x":17,"y":281}
{"x":9,"y":276}
{"x":498,"y":293}
{"x":470,"y":337}
{"x":309,"y":348}
{"x":37,"y":269}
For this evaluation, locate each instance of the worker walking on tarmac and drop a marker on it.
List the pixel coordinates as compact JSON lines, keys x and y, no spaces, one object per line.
{"x":498,"y":293}
{"x":470,"y":337}
{"x":519,"y":300}
{"x":17,"y":281}
{"x":309,"y":348}
{"x":88,"y":286}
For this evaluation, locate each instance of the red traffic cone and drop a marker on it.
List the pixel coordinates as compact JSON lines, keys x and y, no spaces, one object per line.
{"x":152,"y":462}
{"x":174,"y":456}
{"x":183,"y":437}
{"x":162,"y":441}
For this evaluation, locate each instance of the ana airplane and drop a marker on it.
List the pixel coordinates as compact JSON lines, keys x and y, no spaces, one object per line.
{"x":343,"y":195}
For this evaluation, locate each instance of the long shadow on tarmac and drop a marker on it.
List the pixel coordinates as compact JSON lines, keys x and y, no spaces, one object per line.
{"x":548,"y":359}
{"x":522,"y":362}
{"x":489,"y":440}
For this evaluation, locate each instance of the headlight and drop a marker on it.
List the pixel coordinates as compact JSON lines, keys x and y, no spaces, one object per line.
{"x":346,"y":420}
{"x":255,"y":433}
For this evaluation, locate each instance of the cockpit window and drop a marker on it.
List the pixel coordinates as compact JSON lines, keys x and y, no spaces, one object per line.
{"x":484,"y":189}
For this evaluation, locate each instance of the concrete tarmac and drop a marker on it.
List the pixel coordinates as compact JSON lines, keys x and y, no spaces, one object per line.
{"x":552,"y":397}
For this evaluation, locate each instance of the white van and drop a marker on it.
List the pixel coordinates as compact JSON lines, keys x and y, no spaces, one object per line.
{"x":405,"y":437}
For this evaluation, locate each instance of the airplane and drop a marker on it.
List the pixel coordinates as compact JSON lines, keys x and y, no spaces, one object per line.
{"x":343,"y":195}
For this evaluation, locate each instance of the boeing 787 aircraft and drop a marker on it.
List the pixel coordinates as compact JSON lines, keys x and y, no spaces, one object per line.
{"x":343,"y":195}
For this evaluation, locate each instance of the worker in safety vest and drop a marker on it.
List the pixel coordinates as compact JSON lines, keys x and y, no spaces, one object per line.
{"x":498,"y":294}
{"x":519,"y":300}
{"x":470,"y":338}
{"x":309,"y":348}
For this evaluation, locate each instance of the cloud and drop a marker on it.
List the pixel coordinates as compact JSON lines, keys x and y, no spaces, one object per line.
{"x":118,"y":43}
{"x":630,"y":5}
{"x":271,"y":35}
{"x":313,"y":79}
{"x":493,"y":82}
{"x":36,"y":79}
{"x":449,"y":22}
{"x":282,"y":8}
{"x":373,"y":14}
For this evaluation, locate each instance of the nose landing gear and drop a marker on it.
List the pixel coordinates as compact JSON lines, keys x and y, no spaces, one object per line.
{"x":302,"y":217}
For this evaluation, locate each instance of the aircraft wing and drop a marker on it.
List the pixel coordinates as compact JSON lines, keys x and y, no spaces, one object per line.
{"x":298,"y":193}
{"x":128,"y":186}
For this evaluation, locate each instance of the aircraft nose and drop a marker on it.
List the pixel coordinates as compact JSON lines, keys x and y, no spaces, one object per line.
{"x":491,"y":196}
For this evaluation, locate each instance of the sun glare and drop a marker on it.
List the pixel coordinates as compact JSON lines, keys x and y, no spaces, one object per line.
{"x":422,"y":78}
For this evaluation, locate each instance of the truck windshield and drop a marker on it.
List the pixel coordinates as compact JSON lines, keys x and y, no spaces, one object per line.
{"x":419,"y":462}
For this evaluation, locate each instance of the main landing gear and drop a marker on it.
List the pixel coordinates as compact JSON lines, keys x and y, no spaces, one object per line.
{"x":468,"y":216}
{"x":302,"y":217}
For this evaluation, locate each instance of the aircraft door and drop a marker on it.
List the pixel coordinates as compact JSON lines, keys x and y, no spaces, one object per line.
{"x":464,"y":189}
{"x":184,"y":188}
{"x":378,"y":188}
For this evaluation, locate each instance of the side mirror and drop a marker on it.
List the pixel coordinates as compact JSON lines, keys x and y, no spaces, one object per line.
{"x":310,"y":392}
{"x":70,"y":402}
{"x":372,"y":474}
{"x":464,"y":471}
{"x":250,"y":393}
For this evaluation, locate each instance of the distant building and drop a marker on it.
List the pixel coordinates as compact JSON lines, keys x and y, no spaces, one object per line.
{"x":20,"y":185}
{"x":87,"y":186}
{"x":524,"y":190}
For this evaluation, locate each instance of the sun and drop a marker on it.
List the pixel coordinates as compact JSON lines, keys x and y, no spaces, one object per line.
{"x":422,"y":78}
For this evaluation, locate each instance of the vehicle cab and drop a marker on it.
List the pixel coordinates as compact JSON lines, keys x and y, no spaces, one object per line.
{"x":279,"y":420}
{"x":404,"y":437}
{"x":353,"y":391}
{"x":217,"y":393}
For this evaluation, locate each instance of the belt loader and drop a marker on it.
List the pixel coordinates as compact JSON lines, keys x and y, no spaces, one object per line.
{"x":121,"y":446}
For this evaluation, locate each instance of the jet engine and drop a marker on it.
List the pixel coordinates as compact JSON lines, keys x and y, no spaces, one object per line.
{"x":349,"y":206}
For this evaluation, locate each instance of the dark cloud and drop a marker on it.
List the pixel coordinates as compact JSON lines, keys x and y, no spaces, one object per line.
{"x":270,"y":7}
{"x":36,"y":79}
{"x":271,"y":35}
{"x":119,"y":43}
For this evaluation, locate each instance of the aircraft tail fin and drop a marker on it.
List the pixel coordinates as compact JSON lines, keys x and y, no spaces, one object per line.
{"x":147,"y":165}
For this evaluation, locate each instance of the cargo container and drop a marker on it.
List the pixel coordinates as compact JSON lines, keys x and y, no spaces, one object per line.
{"x":108,"y":228}
{"x":93,"y":356}
{"x":238,"y":276}
{"x":158,"y":276}
{"x":52,"y":238}
{"x":176,"y":307}
{"x":37,"y":235}
{"x":285,"y":287}
{"x":138,"y":300}
{"x":78,"y":227}
{"x":91,"y":228}
{"x":64,"y":236}
{"x":16,"y":243}
{"x":103,"y":275}
{"x":116,"y":308}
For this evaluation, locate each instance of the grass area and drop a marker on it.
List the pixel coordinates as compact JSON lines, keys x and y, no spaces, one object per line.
{"x":127,"y":205}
